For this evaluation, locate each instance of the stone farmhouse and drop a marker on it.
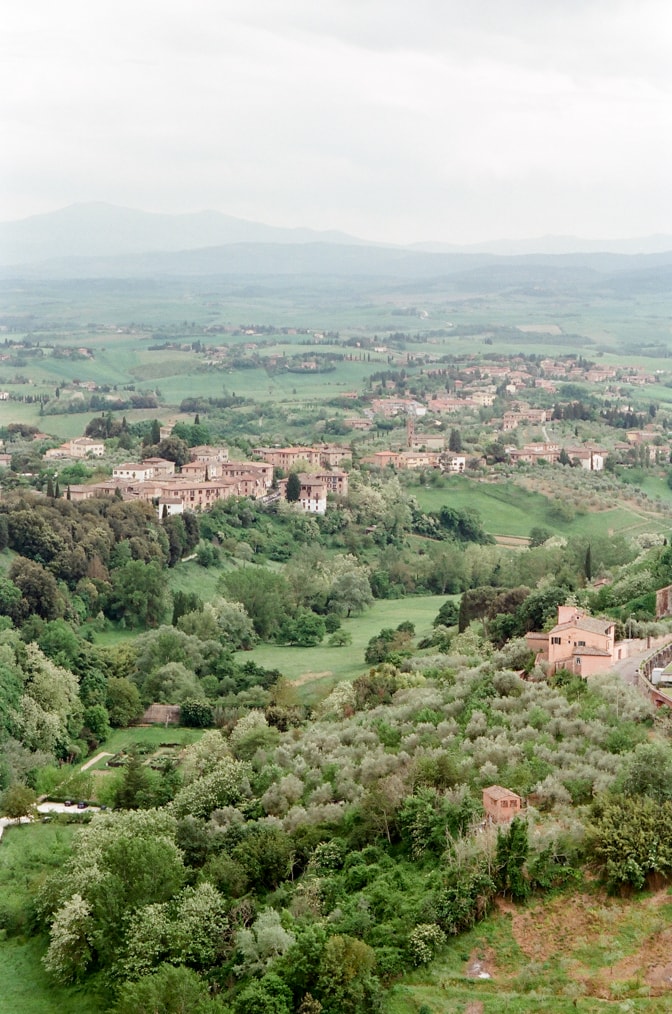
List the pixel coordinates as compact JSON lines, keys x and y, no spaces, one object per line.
{"x":79,"y":447}
{"x":580,"y":643}
{"x":500,"y":804}
{"x":524,"y":414}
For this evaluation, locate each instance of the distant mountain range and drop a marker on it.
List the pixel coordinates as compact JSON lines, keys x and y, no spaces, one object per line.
{"x":100,"y":240}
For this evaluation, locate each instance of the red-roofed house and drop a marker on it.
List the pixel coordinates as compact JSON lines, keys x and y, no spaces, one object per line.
{"x":583,"y":644}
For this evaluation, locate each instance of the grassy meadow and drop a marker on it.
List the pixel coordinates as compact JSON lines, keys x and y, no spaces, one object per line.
{"x":27,"y":854}
{"x":315,"y":671}
{"x":507,"y":508}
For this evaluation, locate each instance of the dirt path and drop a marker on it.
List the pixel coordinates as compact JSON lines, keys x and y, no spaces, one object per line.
{"x":94,"y":760}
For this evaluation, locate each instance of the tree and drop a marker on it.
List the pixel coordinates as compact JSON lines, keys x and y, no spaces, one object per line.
{"x":305,"y":631}
{"x":350,"y":592}
{"x":510,"y":858}
{"x":265,"y":595}
{"x":192,"y":930}
{"x":268,"y":995}
{"x":224,"y":785}
{"x":49,"y":714}
{"x":455,"y":441}
{"x":630,"y":839}
{"x":588,"y":564}
{"x":293,"y":491}
{"x":134,"y":788}
{"x":262,"y":943}
{"x":70,"y":949}
{"x":38,"y":587}
{"x":96,"y":721}
{"x":174,"y":449}
{"x":119,"y":864}
{"x":18,"y":801}
{"x":139,"y":594}
{"x":346,"y":983}
{"x":123,"y":701}
{"x":196,"y":713}
{"x":340,"y":639}
{"x":447,"y":615}
{"x":172,"y":683}
{"x":168,"y":990}
{"x":647,"y":771}
{"x":539,"y":535}
{"x":11,"y":600}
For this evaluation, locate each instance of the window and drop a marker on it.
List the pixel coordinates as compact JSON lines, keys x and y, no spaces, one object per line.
{"x":556,"y":640}
{"x":578,"y":660}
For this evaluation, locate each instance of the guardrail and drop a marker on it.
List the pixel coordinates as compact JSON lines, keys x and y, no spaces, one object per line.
{"x":658,"y":659}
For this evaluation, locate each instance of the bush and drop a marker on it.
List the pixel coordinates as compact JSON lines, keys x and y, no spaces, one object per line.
{"x":196,"y":714}
{"x":424,"y":942}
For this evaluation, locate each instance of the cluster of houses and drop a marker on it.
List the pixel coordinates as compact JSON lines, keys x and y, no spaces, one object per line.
{"x":446,"y":461}
{"x":588,"y":456}
{"x":210,"y":476}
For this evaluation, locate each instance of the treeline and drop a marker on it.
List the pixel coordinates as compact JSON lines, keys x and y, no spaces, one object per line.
{"x":575,"y":410}
{"x":103,"y":555}
{"x":624,"y":419}
{"x":101,"y":402}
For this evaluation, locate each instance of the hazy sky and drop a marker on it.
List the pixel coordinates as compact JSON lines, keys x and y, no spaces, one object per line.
{"x":398,"y":120}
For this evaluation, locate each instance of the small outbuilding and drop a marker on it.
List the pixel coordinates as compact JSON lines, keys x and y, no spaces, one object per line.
{"x":500,"y":804}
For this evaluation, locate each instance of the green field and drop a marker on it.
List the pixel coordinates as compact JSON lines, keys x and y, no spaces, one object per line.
{"x":316,"y":670}
{"x":508,"y":509}
{"x":122,"y":740}
{"x":26,"y":988}
{"x":26,"y":853}
{"x":189,"y":576}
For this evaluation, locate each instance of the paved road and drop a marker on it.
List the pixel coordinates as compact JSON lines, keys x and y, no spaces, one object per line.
{"x":45,"y":808}
{"x":628,"y":667}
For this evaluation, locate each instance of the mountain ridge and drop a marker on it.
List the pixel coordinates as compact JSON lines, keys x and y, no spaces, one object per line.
{"x":99,"y":229}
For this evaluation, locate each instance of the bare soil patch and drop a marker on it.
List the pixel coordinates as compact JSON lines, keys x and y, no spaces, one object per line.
{"x":482,"y":964}
{"x":554,"y":329}
{"x":308,"y":677}
{"x":544,"y":931}
{"x":563,"y":926}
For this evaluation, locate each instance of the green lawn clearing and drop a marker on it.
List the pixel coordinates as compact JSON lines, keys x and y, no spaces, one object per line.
{"x":506,"y":508}
{"x":314,"y":671}
{"x":27,"y":853}
{"x":122,"y":740}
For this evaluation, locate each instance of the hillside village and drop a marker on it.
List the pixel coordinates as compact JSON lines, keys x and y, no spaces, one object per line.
{"x":488,"y":417}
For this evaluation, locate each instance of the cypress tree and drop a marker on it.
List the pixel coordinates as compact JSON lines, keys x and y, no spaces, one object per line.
{"x":293,"y":491}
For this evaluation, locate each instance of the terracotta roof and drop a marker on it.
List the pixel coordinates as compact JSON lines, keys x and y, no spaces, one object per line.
{"x":585,"y":623}
{"x":499,"y":792}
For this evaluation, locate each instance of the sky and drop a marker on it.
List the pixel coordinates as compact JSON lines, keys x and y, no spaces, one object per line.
{"x":402,"y":121}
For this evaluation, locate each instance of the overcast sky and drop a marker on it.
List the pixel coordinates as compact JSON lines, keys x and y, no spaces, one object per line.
{"x":396,"y":120}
